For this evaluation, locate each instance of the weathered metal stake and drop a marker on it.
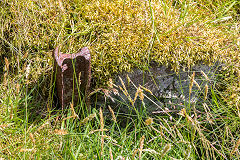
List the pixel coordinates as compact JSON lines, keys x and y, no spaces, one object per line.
{"x":73,"y":75}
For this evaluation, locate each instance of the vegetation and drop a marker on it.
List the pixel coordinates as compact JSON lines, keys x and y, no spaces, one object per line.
{"x":121,"y":35}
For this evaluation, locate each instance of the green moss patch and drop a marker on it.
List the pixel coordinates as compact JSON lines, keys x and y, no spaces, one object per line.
{"x":121,"y":34}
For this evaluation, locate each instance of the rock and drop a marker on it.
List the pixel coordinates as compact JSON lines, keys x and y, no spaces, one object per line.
{"x":73,"y":75}
{"x":170,"y":90}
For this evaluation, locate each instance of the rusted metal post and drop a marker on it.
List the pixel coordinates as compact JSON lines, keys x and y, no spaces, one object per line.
{"x":73,"y":75}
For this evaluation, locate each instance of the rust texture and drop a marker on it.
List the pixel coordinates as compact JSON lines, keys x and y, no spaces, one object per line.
{"x":73,"y":75}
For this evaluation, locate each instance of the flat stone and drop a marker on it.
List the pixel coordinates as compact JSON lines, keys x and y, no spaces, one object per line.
{"x":170,"y":90}
{"x":73,"y":75}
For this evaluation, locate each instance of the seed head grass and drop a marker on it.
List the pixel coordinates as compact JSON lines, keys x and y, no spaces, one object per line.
{"x":121,"y":35}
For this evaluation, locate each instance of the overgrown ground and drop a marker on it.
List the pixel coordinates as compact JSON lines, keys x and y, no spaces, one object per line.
{"x":121,"y":35}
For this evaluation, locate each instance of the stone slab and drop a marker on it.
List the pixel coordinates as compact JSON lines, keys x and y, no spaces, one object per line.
{"x":169,"y":89}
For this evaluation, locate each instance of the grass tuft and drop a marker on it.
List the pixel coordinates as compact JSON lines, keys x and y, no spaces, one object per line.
{"x":121,"y":35}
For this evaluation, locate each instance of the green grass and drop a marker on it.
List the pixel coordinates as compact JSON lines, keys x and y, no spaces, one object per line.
{"x":121,"y":35}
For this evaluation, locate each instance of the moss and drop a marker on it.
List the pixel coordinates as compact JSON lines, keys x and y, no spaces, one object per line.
{"x":121,"y":34}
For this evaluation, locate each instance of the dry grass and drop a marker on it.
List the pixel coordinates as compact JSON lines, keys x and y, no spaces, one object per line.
{"x":121,"y":35}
